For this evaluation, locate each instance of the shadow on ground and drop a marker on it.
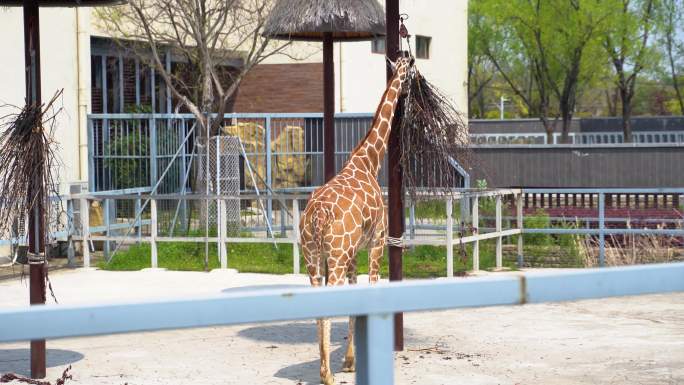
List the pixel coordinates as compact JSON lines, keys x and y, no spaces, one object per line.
{"x":308,"y":372}
{"x":19,"y":360}
{"x":253,"y":288}
{"x":305,"y":333}
{"x":294,"y":333}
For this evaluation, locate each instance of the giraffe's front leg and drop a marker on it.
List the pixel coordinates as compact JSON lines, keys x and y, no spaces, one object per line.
{"x":374,"y":257}
{"x":349,"y":361}
{"x":324,"y":347}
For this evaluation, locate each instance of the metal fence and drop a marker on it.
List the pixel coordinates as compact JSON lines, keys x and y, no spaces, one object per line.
{"x":155,"y":228}
{"x":492,"y":215}
{"x":135,"y":216}
{"x":285,"y":150}
{"x":372,"y":305}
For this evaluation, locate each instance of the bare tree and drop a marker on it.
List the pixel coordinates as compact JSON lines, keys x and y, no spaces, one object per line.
{"x":206,"y":35}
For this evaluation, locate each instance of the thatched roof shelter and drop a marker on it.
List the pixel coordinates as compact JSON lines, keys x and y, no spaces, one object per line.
{"x":64,"y":3}
{"x":308,"y":20}
{"x":326,"y":21}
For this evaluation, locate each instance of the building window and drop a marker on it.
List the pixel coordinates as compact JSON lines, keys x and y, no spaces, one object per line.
{"x":423,"y":47}
{"x":378,"y":46}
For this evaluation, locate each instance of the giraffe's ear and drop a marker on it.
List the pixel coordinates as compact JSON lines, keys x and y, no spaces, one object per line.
{"x":391,"y":64}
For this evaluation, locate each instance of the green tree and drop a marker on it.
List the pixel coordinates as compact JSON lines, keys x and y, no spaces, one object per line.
{"x":631,"y":25}
{"x":530,"y":37}
{"x":670,"y":19}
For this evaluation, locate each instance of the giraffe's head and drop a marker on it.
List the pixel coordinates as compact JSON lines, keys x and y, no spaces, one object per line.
{"x":401,"y":68}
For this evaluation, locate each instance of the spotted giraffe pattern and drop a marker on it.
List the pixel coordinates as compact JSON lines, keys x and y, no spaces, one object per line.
{"x":348,"y":213}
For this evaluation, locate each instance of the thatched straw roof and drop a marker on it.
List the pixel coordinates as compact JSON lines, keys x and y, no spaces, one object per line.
{"x":63,"y":3}
{"x":309,"y":19}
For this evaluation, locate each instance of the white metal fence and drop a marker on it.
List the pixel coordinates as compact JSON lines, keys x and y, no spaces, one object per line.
{"x":137,"y":217}
{"x":372,"y":305}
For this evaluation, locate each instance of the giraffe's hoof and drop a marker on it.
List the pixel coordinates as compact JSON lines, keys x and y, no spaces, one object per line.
{"x":349,"y":366}
{"x":328,"y":379}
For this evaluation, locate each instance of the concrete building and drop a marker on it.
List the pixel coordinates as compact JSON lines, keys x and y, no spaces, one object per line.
{"x":77,"y":56}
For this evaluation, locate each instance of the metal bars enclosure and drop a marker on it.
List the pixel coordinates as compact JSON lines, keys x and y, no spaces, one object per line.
{"x":373,"y":305}
{"x":285,"y":150}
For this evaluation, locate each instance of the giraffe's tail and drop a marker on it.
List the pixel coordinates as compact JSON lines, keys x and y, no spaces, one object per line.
{"x":321,"y":219}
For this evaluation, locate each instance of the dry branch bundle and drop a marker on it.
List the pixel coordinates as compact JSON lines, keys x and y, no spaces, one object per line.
{"x":434,"y":137}
{"x":28,"y":159}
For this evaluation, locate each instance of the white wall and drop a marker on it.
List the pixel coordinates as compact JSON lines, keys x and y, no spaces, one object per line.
{"x":362,"y":73}
{"x":59,"y":70}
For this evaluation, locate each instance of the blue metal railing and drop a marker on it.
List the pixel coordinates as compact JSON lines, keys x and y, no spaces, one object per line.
{"x":372,"y":305}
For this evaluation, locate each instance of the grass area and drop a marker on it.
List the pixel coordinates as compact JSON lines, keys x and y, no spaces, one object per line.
{"x":420,"y":262}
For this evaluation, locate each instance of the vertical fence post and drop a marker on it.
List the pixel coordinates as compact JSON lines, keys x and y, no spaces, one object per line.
{"x":450,"y":236}
{"x":153,"y":232}
{"x":476,"y":231}
{"x":91,"y":155}
{"x":499,"y":262}
{"x":412,"y":221}
{"x":152,"y":148}
{"x":223,"y":230}
{"x":602,"y":228}
{"x":295,"y":235}
{"x":519,"y":212}
{"x":221,"y":215}
{"x":269,"y":169}
{"x":283,"y":219}
{"x":138,"y":216}
{"x":70,"y":232}
{"x":374,"y":335}
{"x":85,"y":231}
{"x":108,"y":231}
{"x":184,"y":167}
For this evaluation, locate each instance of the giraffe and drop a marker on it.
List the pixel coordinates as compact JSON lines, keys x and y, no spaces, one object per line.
{"x":348,"y":213}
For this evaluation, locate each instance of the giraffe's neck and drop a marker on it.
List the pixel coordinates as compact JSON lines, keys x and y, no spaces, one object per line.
{"x":371,"y":150}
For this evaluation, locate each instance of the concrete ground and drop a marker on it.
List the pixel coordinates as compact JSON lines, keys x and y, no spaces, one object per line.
{"x":631,"y":340}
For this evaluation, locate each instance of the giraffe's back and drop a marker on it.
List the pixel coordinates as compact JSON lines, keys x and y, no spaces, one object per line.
{"x":350,"y":211}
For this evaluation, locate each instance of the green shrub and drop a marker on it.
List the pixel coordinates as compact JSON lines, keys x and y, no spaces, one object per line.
{"x":539,"y":220}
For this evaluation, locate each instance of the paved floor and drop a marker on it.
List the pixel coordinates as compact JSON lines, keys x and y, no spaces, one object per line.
{"x":632,"y":340}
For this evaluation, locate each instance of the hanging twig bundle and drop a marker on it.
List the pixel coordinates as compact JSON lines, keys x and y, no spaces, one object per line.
{"x":434,"y":139}
{"x":27,"y":162}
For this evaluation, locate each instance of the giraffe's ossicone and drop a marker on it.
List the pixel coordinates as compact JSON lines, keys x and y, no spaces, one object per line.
{"x":348,"y":213}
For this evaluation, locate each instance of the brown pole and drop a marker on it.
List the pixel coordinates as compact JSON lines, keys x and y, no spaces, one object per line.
{"x":396,"y":201}
{"x":328,"y":107}
{"x":36,"y":222}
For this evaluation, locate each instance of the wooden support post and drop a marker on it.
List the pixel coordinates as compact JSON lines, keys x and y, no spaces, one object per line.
{"x":394,"y":172}
{"x":328,"y":107}
{"x":476,"y":231}
{"x":153,"y":233}
{"x":36,"y":218}
{"x":295,"y":234}
{"x":450,"y":236}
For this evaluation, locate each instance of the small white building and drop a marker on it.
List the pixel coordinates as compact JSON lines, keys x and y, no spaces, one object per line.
{"x":77,"y":58}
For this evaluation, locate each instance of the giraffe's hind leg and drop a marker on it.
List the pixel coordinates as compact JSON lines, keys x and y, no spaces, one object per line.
{"x":349,"y":361}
